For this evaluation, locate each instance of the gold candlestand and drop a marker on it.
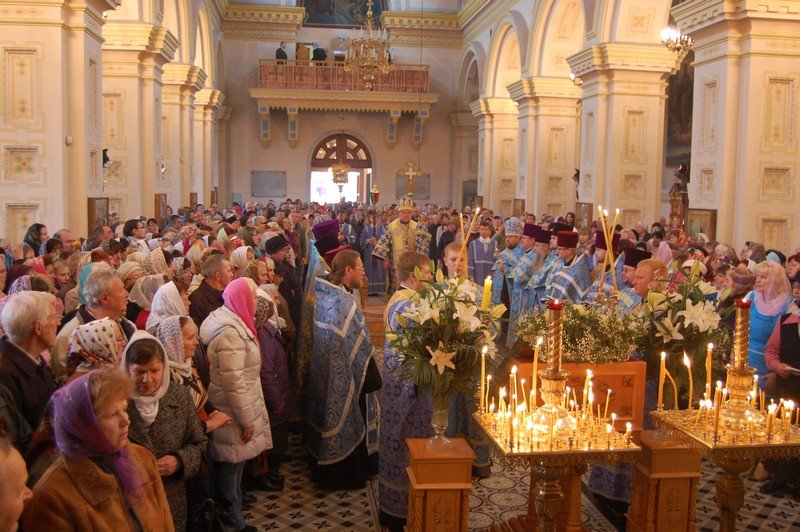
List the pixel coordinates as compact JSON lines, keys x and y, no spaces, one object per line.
{"x":731,"y":430}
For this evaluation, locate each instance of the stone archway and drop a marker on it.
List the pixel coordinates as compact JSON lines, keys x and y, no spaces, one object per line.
{"x":337,"y":148}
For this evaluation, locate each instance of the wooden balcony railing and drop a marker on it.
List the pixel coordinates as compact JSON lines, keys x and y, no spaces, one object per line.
{"x":331,"y":75}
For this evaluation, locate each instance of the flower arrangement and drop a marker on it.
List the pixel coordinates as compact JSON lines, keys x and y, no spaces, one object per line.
{"x":442,"y":336}
{"x":593,"y":333}
{"x":681,"y":318}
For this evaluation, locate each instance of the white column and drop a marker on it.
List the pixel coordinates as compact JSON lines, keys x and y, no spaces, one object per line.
{"x":745,"y":159}
{"x":207,"y":104}
{"x":224,"y":151}
{"x":181,"y":82}
{"x":622,"y":126}
{"x":497,"y":152}
{"x":465,"y":153}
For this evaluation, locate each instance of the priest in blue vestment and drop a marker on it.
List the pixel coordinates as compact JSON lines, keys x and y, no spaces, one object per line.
{"x":501,"y":272}
{"x":341,"y":425}
{"x":571,"y":280}
{"x":520,"y":276}
{"x":545,"y":263}
{"x":406,"y":413}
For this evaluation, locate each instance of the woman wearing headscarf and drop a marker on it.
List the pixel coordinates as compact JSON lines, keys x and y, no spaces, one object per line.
{"x":140,"y":300}
{"x":101,"y":481}
{"x":235,"y":388}
{"x":156,"y":263}
{"x":240,"y":258}
{"x":275,"y":383}
{"x":93,"y":345}
{"x":179,"y":336}
{"x":35,"y":237}
{"x":137,"y":257}
{"x":129,"y":272}
{"x":664,"y":254}
{"x":771,"y":297}
{"x":163,"y":420}
{"x":167,"y":301}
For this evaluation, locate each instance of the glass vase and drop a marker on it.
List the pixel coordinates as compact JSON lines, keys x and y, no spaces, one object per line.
{"x":439,"y":420}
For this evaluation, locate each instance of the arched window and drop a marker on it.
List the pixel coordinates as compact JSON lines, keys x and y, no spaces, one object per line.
{"x":341,"y":147}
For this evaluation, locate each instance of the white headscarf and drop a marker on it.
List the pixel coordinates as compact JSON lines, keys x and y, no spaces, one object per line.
{"x":166,"y":302}
{"x":144,"y":290}
{"x":239,"y":258}
{"x":171,"y":335}
{"x":147,"y":405}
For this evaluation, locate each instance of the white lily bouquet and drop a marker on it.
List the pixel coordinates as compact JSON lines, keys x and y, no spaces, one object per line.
{"x":443,"y":335}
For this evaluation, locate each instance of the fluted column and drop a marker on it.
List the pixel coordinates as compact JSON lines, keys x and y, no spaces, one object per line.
{"x":497,"y":152}
{"x":181,"y":82}
{"x":548,"y":140}
{"x":134,"y":56}
{"x":744,"y":123}
{"x":622,"y":126}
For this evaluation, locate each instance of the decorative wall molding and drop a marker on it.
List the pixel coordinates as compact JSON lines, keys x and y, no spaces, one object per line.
{"x":260,"y":22}
{"x":623,"y":56}
{"x":780,"y":113}
{"x":21,"y":86}
{"x":23,"y":165}
{"x":311,"y":100}
{"x":776,"y":183}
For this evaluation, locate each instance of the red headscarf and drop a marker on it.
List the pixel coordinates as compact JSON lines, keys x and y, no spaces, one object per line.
{"x":238,"y":297}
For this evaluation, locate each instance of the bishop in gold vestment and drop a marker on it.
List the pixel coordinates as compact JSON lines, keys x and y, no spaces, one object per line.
{"x":403,"y":234}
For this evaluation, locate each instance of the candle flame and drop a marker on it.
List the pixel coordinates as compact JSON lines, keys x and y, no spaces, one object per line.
{"x":539,"y":341}
{"x":710,"y":346}
{"x":502,"y":392}
{"x":628,"y":425}
{"x":514,"y":370}
{"x":772,"y":408}
{"x":608,"y":428}
{"x":686,"y":361}
{"x":485,"y":349}
{"x":588,"y":373}
{"x":522,"y":381}
{"x":488,"y":377}
{"x":719,"y":384}
{"x":663,"y":355}
{"x":613,"y":417}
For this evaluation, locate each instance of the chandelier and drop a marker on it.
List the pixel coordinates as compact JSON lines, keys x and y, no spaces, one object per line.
{"x":369,"y":51}
{"x":675,"y":41}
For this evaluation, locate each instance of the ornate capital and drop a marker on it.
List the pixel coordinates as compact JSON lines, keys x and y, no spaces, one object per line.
{"x":625,"y":57}
{"x":489,"y":107}
{"x":188,"y":77}
{"x":209,"y":99}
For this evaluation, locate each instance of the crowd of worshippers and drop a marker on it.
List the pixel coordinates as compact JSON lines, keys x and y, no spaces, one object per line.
{"x":151,"y":371}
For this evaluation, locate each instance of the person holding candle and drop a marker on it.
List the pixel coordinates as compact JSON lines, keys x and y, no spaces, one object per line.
{"x":603,"y":280}
{"x":480,"y":254}
{"x":406,"y":413}
{"x":501,"y":272}
{"x":571,"y":280}
{"x":783,"y":360}
{"x":771,"y":298}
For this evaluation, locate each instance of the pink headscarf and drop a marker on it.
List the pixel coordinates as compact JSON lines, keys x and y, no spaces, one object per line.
{"x":238,"y":297}
{"x":664,"y":253}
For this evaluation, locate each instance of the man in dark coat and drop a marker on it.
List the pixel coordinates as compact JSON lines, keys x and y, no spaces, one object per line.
{"x":280,"y":53}
{"x":30,"y":321}
{"x":217,"y":273}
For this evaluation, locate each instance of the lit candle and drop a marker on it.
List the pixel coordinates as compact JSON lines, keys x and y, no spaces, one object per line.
{"x":605,"y":411}
{"x":514,"y":430}
{"x":586,"y":388}
{"x":627,"y":436}
{"x":688,"y":364}
{"x":483,"y":378}
{"x":613,"y":420}
{"x":608,"y":434}
{"x":487,"y":293}
{"x":662,"y":372}
{"x":555,"y":333}
{"x":535,"y":376}
{"x":709,"y":358}
{"x":770,"y":415}
{"x":513,"y":385}
{"x":502,"y":401}
{"x":524,"y":404}
{"x":491,"y":406}
{"x":741,"y":334}
{"x":488,"y":385}
{"x":718,"y":407}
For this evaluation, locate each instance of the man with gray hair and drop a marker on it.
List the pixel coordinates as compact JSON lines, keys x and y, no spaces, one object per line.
{"x":217,"y":273}
{"x":106,"y":297}
{"x":30,"y":321}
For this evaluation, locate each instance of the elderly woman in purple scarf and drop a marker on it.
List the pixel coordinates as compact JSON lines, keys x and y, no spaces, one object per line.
{"x":101,"y":481}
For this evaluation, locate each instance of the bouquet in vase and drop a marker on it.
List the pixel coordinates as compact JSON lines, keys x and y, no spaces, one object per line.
{"x":443,"y":335}
{"x":680,"y":319}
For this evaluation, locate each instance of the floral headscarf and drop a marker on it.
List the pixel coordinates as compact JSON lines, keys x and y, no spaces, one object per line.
{"x":170,"y":334}
{"x":167,"y":302}
{"x":144,"y":290}
{"x":20,"y":284}
{"x":155,"y":263}
{"x":239,"y":258}
{"x":263,"y":314}
{"x":147,"y":405}
{"x":92,"y":345}
{"x":79,"y":435}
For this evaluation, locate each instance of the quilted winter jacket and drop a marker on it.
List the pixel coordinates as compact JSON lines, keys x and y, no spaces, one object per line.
{"x":234,"y":360}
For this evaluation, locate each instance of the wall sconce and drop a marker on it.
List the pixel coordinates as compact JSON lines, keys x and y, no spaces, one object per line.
{"x":163,"y":168}
{"x":575,"y":79}
{"x":675,"y":41}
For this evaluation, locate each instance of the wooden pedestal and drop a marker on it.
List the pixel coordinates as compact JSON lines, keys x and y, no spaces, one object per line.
{"x":664,"y":485}
{"x":439,"y":486}
{"x":374,"y":318}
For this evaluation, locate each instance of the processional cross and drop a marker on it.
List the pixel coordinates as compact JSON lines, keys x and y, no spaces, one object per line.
{"x":411,"y":171}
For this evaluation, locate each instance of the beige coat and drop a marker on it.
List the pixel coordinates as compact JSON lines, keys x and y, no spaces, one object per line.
{"x":234,"y":360}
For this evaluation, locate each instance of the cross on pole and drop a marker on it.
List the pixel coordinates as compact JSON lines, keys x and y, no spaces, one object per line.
{"x":410,"y":172}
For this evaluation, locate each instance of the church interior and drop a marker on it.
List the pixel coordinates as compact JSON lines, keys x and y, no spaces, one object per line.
{"x":656,"y":108}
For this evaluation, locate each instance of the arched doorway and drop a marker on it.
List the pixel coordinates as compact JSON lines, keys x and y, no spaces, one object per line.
{"x":340,"y":147}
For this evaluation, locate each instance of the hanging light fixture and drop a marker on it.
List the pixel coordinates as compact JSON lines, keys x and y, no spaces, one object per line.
{"x":675,"y":41}
{"x":369,"y":51}
{"x":340,"y":169}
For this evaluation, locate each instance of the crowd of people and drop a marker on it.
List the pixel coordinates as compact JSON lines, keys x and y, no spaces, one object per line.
{"x":154,"y":366}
